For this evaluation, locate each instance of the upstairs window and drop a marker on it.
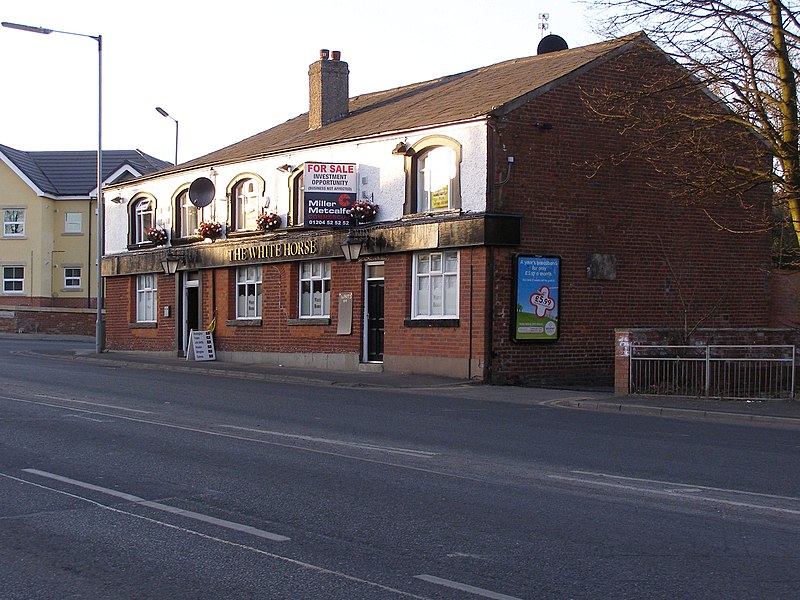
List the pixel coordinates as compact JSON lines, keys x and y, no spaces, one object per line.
{"x":186,"y":219}
{"x":142,"y":218}
{"x":246,"y":203}
{"x":433,"y":177}
{"x":73,"y":222}
{"x":297,"y":198}
{"x":13,"y":222}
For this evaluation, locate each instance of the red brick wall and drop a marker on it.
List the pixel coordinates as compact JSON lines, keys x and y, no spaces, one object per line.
{"x":27,"y":319}
{"x":674,"y":267}
{"x":122,"y":331}
{"x":784,"y":298}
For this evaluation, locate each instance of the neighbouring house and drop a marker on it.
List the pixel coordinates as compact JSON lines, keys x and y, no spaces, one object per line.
{"x":450,"y":226}
{"x":48,"y":246}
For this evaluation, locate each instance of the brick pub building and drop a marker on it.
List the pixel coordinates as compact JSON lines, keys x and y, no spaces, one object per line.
{"x":497,"y":252}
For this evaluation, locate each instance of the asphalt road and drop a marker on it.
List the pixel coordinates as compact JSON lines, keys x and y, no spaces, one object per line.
{"x":124,"y":483}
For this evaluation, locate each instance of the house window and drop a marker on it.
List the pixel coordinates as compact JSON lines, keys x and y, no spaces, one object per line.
{"x":142,"y":218}
{"x":297,"y":198}
{"x":13,"y":222}
{"x":246,"y":204}
{"x":72,"y":277}
{"x":435,"y":293}
{"x":73,"y":222}
{"x":185,"y":215}
{"x":13,"y":280}
{"x":315,"y":289}
{"x":146,"y":301}
{"x":248,"y":292}
{"x":433,"y":175}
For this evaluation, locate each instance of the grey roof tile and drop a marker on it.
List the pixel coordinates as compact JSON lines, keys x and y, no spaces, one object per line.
{"x":74,"y":172}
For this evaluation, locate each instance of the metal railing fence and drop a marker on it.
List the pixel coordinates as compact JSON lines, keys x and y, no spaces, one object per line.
{"x":731,"y":372}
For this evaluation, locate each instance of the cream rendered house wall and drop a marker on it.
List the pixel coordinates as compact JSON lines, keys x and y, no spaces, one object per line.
{"x":381,"y":178}
{"x":45,"y":249}
{"x":26,"y":250}
{"x":73,"y":249}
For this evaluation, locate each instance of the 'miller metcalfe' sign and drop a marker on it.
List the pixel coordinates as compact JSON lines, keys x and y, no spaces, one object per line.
{"x":330,"y":191}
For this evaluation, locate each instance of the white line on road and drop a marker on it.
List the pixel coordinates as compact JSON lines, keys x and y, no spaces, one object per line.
{"x":465,"y":588}
{"x":364,"y":446}
{"x":677,"y":490}
{"x":144,"y":412}
{"x":286,"y":559}
{"x":163,"y":507}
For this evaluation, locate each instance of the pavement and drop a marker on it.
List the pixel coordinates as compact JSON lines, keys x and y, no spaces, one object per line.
{"x":784,"y":413}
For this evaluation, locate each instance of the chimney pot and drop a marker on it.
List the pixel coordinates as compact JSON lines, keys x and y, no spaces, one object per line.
{"x":323,"y":54}
{"x":337,"y":55}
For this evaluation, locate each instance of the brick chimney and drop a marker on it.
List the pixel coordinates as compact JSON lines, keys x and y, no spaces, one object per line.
{"x":329,"y":89}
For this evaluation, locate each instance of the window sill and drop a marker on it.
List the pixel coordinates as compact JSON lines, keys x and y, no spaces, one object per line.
{"x":142,"y":325}
{"x":310,"y":321}
{"x":141,"y":246}
{"x":432,"y":323}
{"x":243,"y":322}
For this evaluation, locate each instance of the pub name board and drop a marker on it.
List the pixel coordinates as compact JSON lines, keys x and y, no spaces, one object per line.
{"x":273,"y":250}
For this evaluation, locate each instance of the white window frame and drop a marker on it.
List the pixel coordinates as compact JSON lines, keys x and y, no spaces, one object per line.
{"x":188,"y":215}
{"x":315,"y":284}
{"x":247,"y":204}
{"x":248,"y":292}
{"x":144,"y":217}
{"x":73,"y":281}
{"x":70,"y":225}
{"x":434,"y":167}
{"x":11,"y":221}
{"x":426,"y":303}
{"x":11,"y":278}
{"x":146,"y":298}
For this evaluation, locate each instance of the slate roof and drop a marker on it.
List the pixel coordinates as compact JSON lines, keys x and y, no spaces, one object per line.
{"x":74,"y":173}
{"x":454,"y":98}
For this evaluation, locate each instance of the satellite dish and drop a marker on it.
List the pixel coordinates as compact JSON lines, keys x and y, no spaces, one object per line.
{"x":551,"y":43}
{"x":201,"y":192}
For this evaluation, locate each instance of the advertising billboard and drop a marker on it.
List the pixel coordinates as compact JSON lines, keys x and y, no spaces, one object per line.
{"x":330,"y":191}
{"x":537,"y":298}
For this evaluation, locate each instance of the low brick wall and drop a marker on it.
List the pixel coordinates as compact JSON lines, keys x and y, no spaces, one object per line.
{"x":40,"y":319}
{"x":624,"y":338}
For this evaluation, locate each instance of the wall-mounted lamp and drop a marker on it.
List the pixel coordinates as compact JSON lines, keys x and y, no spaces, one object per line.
{"x":118,"y":200}
{"x":170,"y":262}
{"x":403,"y":149}
{"x":353,"y":244}
{"x":285,"y":168}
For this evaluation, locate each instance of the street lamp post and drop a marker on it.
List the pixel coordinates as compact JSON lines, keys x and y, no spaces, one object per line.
{"x":99,"y":324}
{"x":164,"y":113}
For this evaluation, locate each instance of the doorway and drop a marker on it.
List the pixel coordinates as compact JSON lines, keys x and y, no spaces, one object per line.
{"x":190,"y":304}
{"x":373,"y":315}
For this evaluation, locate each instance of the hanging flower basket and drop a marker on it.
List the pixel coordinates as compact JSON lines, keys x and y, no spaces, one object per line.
{"x":157,"y":235}
{"x":209,"y":229}
{"x":268,"y":221}
{"x":363,"y":211}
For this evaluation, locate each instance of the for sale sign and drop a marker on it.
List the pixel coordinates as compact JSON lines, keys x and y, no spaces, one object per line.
{"x":330,"y":191}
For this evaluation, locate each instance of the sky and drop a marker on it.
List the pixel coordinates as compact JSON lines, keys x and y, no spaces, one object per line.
{"x":228,"y":70}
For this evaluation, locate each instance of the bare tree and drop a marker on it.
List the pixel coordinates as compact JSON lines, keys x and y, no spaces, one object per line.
{"x":747,"y":52}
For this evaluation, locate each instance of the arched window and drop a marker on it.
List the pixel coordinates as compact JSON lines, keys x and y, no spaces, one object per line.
{"x":433,"y":175}
{"x":142,"y":217}
{"x":297,"y":197}
{"x":246,"y":202}
{"x":186,"y":217}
